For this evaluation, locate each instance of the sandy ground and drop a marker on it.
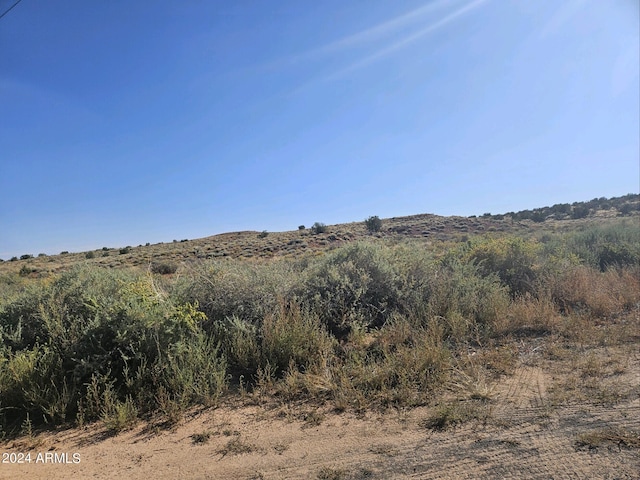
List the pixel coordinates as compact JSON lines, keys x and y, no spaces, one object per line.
{"x":525,"y":437}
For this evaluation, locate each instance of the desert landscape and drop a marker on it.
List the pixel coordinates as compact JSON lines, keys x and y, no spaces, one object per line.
{"x":338,"y":240}
{"x":409,"y":347}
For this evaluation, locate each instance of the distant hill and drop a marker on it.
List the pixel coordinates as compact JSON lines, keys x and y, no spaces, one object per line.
{"x":165,"y":257}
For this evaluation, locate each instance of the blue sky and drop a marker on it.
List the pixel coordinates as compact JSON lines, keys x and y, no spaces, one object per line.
{"x":123,"y":123}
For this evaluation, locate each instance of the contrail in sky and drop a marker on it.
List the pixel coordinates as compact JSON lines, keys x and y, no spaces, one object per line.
{"x":406,"y":40}
{"x":381,"y":29}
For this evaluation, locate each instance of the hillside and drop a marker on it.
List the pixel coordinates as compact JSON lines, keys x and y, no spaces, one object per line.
{"x":166,"y":257}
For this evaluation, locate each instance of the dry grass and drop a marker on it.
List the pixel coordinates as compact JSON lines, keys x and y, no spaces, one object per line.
{"x":236,"y":446}
{"x":599,"y":294}
{"x":597,"y":376}
{"x":619,"y":437}
{"x":200,"y":438}
{"x":451,"y":414}
{"x":529,"y":316}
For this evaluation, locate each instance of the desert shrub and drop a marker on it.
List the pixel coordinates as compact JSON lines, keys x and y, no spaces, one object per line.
{"x":449,"y":415}
{"x":224,"y":288}
{"x":291,"y":336}
{"x":13,"y":259}
{"x":615,"y":255}
{"x":287,"y":337}
{"x":26,"y":270}
{"x":602,"y":247}
{"x":513,"y":259}
{"x":263,"y":234}
{"x":33,"y":386}
{"x":356,"y":284}
{"x":629,"y":208}
{"x":579,"y":211}
{"x":192,"y":371}
{"x":240,"y":344}
{"x":125,"y":250}
{"x":301,"y":227}
{"x":115,"y":332}
{"x":119,"y":415}
{"x":163,"y":268}
{"x":373,"y":224}
{"x":318,"y":227}
{"x":26,"y":256}
{"x":404,"y":365}
{"x":469,"y":300}
{"x":89,"y":255}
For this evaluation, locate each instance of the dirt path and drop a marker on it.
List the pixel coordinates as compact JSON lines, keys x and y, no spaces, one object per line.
{"x":525,"y":437}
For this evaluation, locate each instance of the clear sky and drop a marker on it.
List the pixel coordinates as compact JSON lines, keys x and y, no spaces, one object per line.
{"x":126,"y":122}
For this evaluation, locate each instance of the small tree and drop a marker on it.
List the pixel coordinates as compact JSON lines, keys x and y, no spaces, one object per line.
{"x":579,"y":211}
{"x":263,"y":234}
{"x":374,"y":224}
{"x":301,"y":227}
{"x":318,"y":227}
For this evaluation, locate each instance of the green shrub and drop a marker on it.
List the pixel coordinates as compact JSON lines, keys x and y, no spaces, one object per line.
{"x":89,"y":255}
{"x":292,"y":337}
{"x":616,"y":245}
{"x":513,"y":259}
{"x":355,"y":285}
{"x":164,"y":268}
{"x":301,"y":227}
{"x":224,"y":288}
{"x":468,"y":300}
{"x":32,"y":386}
{"x":240,"y":344}
{"x":373,"y":224}
{"x":26,"y":256}
{"x":579,"y":211}
{"x":121,"y":415}
{"x":193,"y":371}
{"x":318,"y":227}
{"x":88,"y":342}
{"x":263,"y":234}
